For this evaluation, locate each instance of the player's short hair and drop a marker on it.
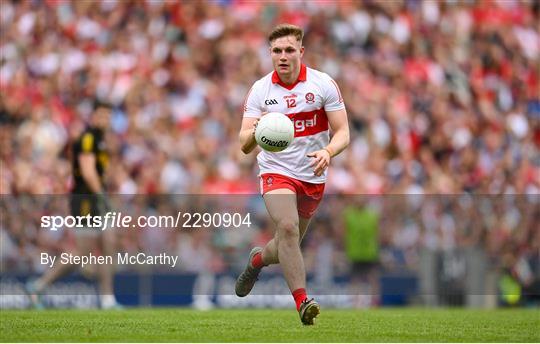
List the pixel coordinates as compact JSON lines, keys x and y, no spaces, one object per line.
{"x":96,"y":104}
{"x":284,"y":30}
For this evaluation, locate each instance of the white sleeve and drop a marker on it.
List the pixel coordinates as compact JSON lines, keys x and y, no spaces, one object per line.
{"x":252,"y":105}
{"x":332,"y":95}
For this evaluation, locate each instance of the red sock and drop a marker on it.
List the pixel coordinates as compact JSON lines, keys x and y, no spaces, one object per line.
{"x":299,"y":296}
{"x":257,"y":261}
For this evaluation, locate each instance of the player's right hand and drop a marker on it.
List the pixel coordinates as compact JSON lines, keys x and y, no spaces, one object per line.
{"x":257,"y":121}
{"x":254,"y":127}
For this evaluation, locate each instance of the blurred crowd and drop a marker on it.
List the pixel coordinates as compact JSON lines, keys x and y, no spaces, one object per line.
{"x":448,"y":232}
{"x":442,"y":98}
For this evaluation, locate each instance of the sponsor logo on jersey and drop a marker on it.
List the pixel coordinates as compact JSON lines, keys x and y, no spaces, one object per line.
{"x":309,"y":122}
{"x":270,"y":102}
{"x":269,"y":180}
{"x":301,"y":124}
{"x":310,"y":98}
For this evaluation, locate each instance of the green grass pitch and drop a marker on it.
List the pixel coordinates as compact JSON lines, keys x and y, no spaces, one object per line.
{"x":181,"y":325}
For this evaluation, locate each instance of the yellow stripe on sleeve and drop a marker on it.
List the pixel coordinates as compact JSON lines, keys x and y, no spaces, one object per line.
{"x":87,"y":142}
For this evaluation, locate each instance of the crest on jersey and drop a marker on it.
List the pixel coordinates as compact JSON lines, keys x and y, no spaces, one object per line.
{"x":310,"y":98}
{"x":269,"y":180}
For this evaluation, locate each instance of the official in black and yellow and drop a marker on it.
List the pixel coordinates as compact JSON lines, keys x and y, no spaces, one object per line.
{"x":89,"y":162}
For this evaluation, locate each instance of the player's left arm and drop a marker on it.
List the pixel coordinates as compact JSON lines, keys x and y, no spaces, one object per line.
{"x":340,"y":140}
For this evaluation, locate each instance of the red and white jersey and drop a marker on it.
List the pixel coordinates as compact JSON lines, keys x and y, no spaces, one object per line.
{"x":306,"y":103}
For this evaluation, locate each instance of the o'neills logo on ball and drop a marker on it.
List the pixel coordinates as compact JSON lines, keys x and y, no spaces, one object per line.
{"x":280,"y":143}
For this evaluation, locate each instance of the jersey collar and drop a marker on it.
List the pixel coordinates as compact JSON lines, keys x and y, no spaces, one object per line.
{"x":301,"y":77}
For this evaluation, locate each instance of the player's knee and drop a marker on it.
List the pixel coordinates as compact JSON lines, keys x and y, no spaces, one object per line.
{"x":288,"y":229}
